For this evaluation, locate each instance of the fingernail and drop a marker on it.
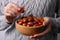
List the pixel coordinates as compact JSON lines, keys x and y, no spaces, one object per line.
{"x":18,"y":8}
{"x":30,"y":36}
{"x":35,"y":35}
{"x":8,"y":14}
{"x":43,"y":24}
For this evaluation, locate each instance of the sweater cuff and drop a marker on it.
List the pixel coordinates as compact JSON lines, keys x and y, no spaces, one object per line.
{"x":53,"y":22}
{"x":54,"y":25}
{"x":3,"y":24}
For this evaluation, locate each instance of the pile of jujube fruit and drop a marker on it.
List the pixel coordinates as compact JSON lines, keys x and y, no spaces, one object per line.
{"x":30,"y":21}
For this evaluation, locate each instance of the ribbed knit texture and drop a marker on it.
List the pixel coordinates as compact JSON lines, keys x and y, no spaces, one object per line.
{"x":37,"y":8}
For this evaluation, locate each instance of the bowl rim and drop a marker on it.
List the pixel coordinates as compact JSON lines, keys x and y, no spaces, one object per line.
{"x":28,"y":27}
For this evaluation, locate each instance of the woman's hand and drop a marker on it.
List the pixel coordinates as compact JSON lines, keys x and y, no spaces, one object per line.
{"x":46,"y":22}
{"x":11,"y":10}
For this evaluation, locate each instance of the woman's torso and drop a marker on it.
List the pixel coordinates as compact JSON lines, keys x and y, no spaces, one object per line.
{"x":37,"y":8}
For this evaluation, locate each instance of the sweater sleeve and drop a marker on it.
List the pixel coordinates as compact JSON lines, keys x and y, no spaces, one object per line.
{"x":56,"y":21}
{"x":3,"y":24}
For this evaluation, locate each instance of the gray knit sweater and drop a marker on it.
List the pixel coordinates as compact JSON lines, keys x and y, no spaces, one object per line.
{"x":45,"y":8}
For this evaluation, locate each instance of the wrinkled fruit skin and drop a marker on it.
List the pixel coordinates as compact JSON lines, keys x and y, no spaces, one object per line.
{"x":36,"y":25}
{"x":24,"y":20}
{"x":30,"y":21}
{"x":30,"y":18}
{"x":35,"y":19}
{"x":21,"y":10}
{"x":24,"y":24}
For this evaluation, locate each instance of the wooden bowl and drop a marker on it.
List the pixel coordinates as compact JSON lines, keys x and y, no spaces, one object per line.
{"x":29,"y":30}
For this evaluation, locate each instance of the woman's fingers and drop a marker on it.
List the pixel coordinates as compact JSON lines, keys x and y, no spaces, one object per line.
{"x":46,"y":21}
{"x":32,"y":36}
{"x":7,"y":14}
{"x":13,"y":5}
{"x":12,"y":10}
{"x":41,"y":33}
